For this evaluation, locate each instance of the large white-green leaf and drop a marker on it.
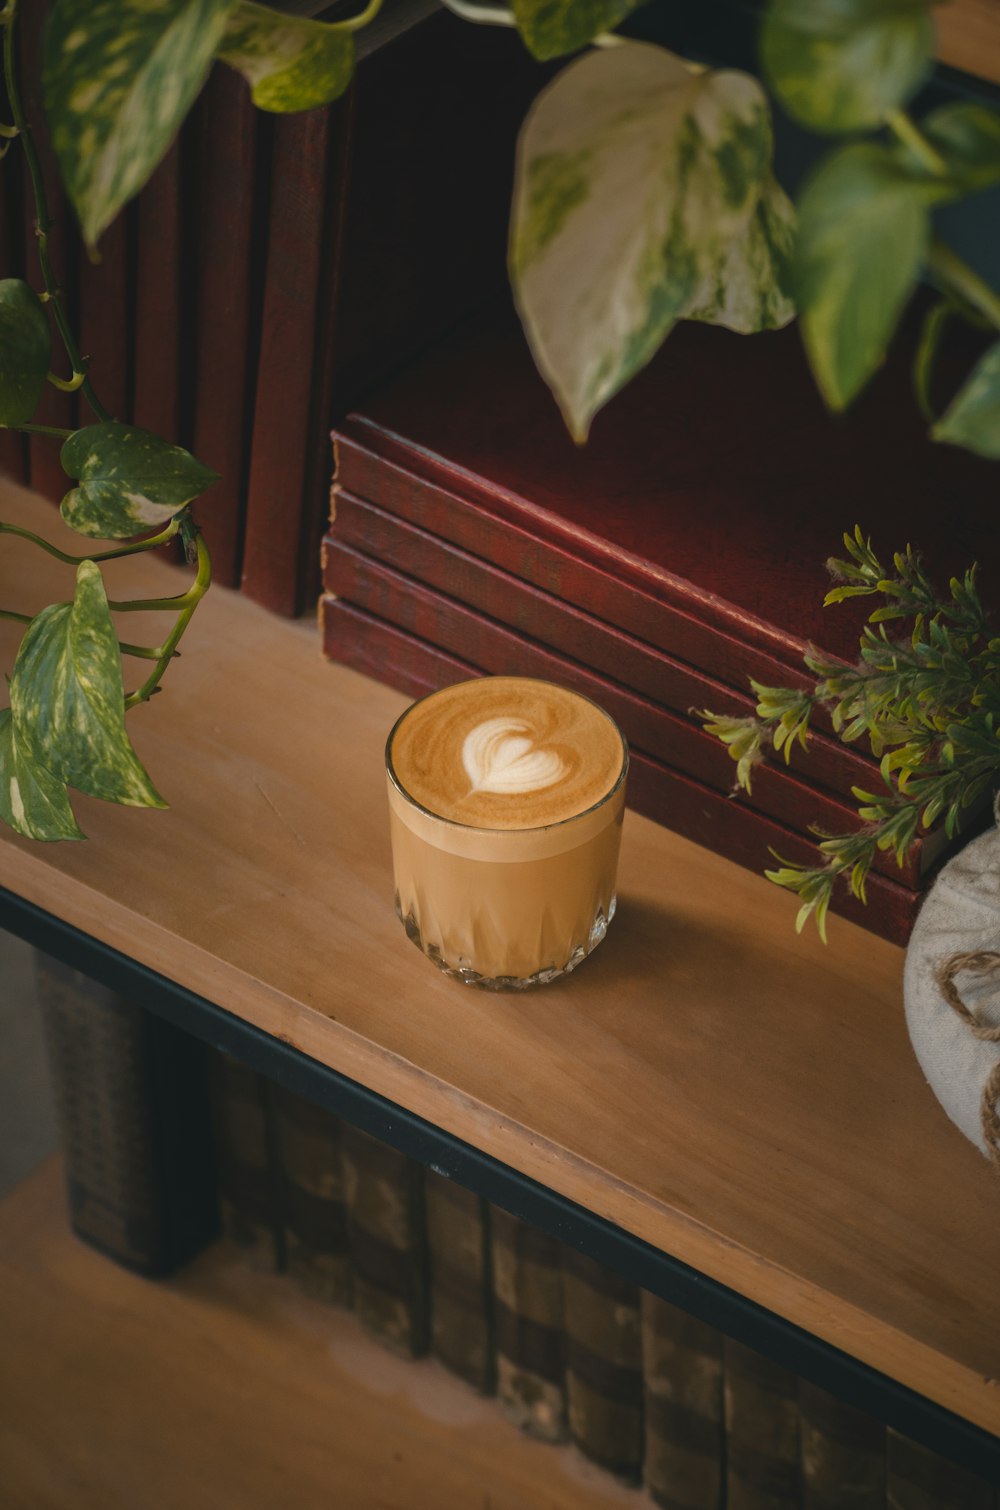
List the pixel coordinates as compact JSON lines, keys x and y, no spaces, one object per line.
{"x":289,"y":62}
{"x":634,"y":178}
{"x":972,"y":419}
{"x":130,"y":481}
{"x":551,"y":28}
{"x":842,"y":65}
{"x":32,"y":801}
{"x":863,"y":229}
{"x":68,"y":700}
{"x":25,"y":351}
{"x":119,"y":78}
{"x":753,"y":290}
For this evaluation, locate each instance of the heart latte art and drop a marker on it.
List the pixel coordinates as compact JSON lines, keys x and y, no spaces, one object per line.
{"x":498,"y":758}
{"x":506,"y":752}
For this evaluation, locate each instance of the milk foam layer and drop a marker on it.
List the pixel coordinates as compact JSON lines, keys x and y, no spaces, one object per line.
{"x":506,"y":753}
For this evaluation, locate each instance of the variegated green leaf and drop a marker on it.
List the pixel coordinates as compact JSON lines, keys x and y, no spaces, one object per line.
{"x":32,"y":801}
{"x":551,"y":28}
{"x":753,"y":283}
{"x":130,"y":481}
{"x":290,"y":63}
{"x":25,"y":351}
{"x":842,"y":65}
{"x":972,"y":419}
{"x":119,"y":78}
{"x":68,"y":700}
{"x":634,"y":178}
{"x":863,"y":229}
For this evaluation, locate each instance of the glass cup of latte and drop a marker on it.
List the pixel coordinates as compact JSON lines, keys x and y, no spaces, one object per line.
{"x":506,"y":800}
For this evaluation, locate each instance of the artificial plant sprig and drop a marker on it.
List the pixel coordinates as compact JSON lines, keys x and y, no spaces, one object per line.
{"x":928,"y":702}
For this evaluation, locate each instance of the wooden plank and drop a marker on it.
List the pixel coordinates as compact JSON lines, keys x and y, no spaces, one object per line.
{"x":230,"y":1389}
{"x":734,"y":1094}
{"x":968,"y":36}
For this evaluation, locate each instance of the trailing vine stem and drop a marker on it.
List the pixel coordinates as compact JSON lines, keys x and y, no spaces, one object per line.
{"x":41,"y":430}
{"x":146,"y":652}
{"x":131,"y":549}
{"x":909,"y":133}
{"x":187,"y":602}
{"x":43,"y":223}
{"x":355,"y":23}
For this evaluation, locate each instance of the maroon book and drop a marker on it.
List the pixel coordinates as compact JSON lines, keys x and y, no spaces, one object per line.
{"x":300,"y":183}
{"x":105,"y":321}
{"x":358,"y":639}
{"x":387,"y":225}
{"x":648,"y":726}
{"x":13,"y":445}
{"x":544,"y":616}
{"x":159,"y":313}
{"x":226,"y":312}
{"x":60,"y":409}
{"x":701,"y":512}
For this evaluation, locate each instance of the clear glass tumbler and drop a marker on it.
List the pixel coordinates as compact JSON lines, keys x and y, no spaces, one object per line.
{"x":493,"y":903}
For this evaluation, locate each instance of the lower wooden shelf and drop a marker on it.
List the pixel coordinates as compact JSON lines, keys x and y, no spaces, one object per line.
{"x":226,"y":1388}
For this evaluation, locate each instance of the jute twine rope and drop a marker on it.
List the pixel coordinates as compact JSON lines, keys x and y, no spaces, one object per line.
{"x":979,"y":962}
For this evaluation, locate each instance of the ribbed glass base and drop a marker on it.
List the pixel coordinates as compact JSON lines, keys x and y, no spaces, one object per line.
{"x":462,"y":970}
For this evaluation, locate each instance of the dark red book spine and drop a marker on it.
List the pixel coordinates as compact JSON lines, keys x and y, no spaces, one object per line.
{"x":60,"y":409}
{"x":381,"y":236}
{"x":647,"y":726}
{"x":728,"y":524}
{"x":13,"y":447}
{"x":105,"y":321}
{"x":525,"y":607}
{"x":512,"y":540}
{"x":381,"y":650}
{"x":225,"y":130}
{"x":300,"y":188}
{"x":158,"y":302}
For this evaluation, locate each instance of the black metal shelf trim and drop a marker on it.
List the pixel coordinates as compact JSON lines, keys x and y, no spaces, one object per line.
{"x":789,"y":1345}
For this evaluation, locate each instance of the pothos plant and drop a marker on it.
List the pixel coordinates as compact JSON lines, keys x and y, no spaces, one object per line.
{"x":928,"y":702}
{"x":644,"y":195}
{"x":119,"y":77}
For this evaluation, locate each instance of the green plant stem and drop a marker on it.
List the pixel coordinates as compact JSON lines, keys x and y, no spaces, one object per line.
{"x":955,"y":275}
{"x":909,"y":133}
{"x":146,"y":652}
{"x":40,"y":430}
{"x":67,"y":385}
{"x":354,"y":23}
{"x":112,"y":555}
{"x":42,"y":221}
{"x":482,"y":15}
{"x":189,"y":602}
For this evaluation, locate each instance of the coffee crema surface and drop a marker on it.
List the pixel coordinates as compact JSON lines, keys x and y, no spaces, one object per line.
{"x":506,"y":752}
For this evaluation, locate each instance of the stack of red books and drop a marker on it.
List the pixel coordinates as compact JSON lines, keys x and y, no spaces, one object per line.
{"x":657,"y":569}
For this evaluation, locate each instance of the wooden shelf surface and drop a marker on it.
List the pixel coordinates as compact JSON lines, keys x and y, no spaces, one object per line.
{"x":968,"y":36}
{"x":228,"y":1390}
{"x":742,"y":1098}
